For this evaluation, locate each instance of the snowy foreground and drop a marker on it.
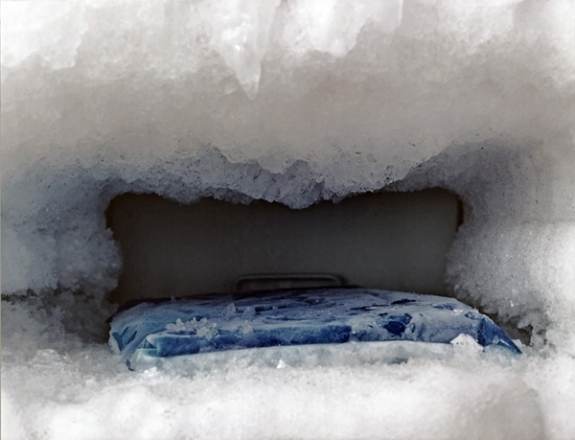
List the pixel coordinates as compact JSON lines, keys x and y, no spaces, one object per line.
{"x":291,"y":101}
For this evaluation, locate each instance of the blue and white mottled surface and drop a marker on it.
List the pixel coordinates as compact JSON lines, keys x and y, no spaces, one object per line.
{"x":213,"y":323}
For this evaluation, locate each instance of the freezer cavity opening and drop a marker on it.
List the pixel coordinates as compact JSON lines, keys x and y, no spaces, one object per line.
{"x":390,"y":240}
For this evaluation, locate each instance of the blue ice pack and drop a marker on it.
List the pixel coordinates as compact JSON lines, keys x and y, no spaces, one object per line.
{"x":222,"y":322}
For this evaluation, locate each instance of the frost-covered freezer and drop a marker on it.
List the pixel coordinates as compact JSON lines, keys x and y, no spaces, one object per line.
{"x":296,"y":103}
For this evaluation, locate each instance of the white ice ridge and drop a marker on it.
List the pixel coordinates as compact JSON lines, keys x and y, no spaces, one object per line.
{"x":238,"y":32}
{"x":296,"y":101}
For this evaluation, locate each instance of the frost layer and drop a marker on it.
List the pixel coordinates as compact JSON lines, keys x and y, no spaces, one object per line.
{"x":297,"y":101}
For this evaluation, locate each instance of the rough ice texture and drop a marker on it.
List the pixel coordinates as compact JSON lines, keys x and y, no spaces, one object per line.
{"x":292,"y":101}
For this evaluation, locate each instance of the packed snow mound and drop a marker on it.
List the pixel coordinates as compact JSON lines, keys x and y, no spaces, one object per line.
{"x":295,"y":102}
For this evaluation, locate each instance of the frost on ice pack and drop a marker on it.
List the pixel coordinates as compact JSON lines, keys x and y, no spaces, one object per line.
{"x":292,"y":102}
{"x":146,"y":333}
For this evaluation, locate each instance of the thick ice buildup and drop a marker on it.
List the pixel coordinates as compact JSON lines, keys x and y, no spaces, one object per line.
{"x":293,"y":102}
